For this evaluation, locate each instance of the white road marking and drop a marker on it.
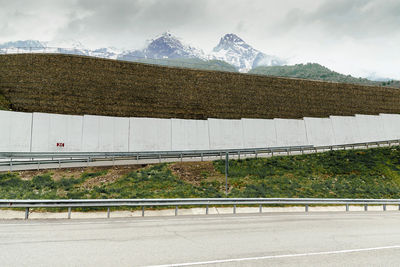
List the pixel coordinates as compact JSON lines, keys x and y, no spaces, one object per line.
{"x":278,"y":256}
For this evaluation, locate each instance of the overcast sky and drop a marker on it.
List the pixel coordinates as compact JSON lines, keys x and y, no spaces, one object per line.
{"x":358,"y":37}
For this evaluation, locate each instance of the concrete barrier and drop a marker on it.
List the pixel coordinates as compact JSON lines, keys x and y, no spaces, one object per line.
{"x":54,"y":132}
{"x":258,"y":133}
{"x":370,"y":128}
{"x":319,"y":131}
{"x":291,"y":132}
{"x":391,"y":123}
{"x":225,"y":134}
{"x":15,"y":131}
{"x":345,"y":129}
{"x":190,"y":134}
{"x":148,"y":134}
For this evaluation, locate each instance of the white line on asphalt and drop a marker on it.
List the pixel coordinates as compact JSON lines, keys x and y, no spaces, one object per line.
{"x":277,"y":256}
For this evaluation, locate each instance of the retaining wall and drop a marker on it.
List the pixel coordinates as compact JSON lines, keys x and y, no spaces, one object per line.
{"x":41,"y":132}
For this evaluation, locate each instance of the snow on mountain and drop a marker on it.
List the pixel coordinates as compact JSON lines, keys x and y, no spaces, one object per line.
{"x":164,"y":47}
{"x":231,"y":49}
{"x":234,"y":50}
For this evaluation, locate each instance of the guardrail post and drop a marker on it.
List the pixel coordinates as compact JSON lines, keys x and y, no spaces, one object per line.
{"x":108,"y":213}
{"x":238,"y":155}
{"x":69,"y":212}
{"x":288,"y":152}
{"x":226,"y":172}
{"x":384,"y":207}
{"x":142,"y":211}
{"x":306,"y":207}
{"x":38,"y":165}
{"x":26,"y":213}
{"x":159,"y":158}
{"x":201,"y":156}
{"x":256,"y":154}
{"x":176,"y":210}
{"x":11,"y":164}
{"x":347,"y":207}
{"x":366,"y":207}
{"x":234,"y":209}
{"x":260,"y":208}
{"x":59,"y":164}
{"x":207,"y":209}
{"x":181,"y":157}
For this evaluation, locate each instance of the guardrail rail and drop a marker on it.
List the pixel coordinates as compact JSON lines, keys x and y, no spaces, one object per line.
{"x":205,"y":202}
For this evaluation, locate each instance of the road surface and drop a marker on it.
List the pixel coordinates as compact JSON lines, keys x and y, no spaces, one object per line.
{"x":286,"y":239}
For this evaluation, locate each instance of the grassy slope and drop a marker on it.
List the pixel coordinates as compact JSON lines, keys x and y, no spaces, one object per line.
{"x":315,"y":71}
{"x":373,"y":173}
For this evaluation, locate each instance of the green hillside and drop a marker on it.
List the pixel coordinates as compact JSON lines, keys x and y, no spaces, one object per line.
{"x":314,"y":71}
{"x":373,"y":173}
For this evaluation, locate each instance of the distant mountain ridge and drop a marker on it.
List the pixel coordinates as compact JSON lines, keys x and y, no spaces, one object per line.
{"x":231,"y":54}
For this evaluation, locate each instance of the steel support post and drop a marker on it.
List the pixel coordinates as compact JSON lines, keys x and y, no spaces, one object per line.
{"x":306,"y":207}
{"x":384,"y":207}
{"x":176,"y":210}
{"x":226,"y":172}
{"x":260,"y":208}
{"x":366,"y":207}
{"x":142,"y":211}
{"x":207,"y":210}
{"x":347,"y":207}
{"x":69,"y":212}
{"x":26,"y":213}
{"x":234,"y":209}
{"x":108,"y":213}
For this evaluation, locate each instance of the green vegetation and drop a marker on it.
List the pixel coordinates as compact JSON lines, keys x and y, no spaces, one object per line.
{"x":314,"y":71}
{"x":373,"y":173}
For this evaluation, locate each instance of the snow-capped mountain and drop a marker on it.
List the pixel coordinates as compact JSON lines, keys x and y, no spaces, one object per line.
{"x":232,"y":49}
{"x":164,"y":47}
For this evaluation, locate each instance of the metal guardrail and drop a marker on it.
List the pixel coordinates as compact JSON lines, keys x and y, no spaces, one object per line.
{"x":37,"y":158}
{"x":206,"y":202}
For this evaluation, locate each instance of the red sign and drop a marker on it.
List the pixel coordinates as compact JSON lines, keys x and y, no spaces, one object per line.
{"x":60,"y":145}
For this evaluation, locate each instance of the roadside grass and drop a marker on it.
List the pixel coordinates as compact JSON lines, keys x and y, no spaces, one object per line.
{"x":372,"y":173}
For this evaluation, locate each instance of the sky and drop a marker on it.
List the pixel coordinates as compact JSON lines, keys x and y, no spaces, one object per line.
{"x":356,"y":37}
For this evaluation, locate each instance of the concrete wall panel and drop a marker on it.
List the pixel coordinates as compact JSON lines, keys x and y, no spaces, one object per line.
{"x":225,"y":134}
{"x":391,"y":123}
{"x":290,"y":132}
{"x":370,"y":128}
{"x":50,"y":129}
{"x":121,"y":134}
{"x":319,"y":131}
{"x":15,"y":131}
{"x":148,"y":134}
{"x":345,"y":129}
{"x":259,"y":133}
{"x":190,"y":134}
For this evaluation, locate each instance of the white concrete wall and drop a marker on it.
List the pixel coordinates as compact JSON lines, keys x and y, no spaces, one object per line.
{"x":290,"y":132}
{"x":319,"y":131}
{"x":258,"y":133}
{"x":105,"y":134}
{"x":189,"y":134}
{"x":15,"y":131}
{"x":50,"y":129}
{"x":391,"y":123}
{"x":225,"y":134}
{"x":148,"y":134}
{"x":370,"y":128}
{"x":345,"y":129}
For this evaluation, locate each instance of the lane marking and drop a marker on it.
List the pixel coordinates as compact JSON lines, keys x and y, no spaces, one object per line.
{"x":277,"y":256}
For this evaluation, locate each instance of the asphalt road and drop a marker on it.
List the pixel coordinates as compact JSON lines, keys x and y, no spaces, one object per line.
{"x":314,"y":239}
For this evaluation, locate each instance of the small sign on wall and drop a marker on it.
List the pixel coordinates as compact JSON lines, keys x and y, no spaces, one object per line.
{"x":60,"y":144}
